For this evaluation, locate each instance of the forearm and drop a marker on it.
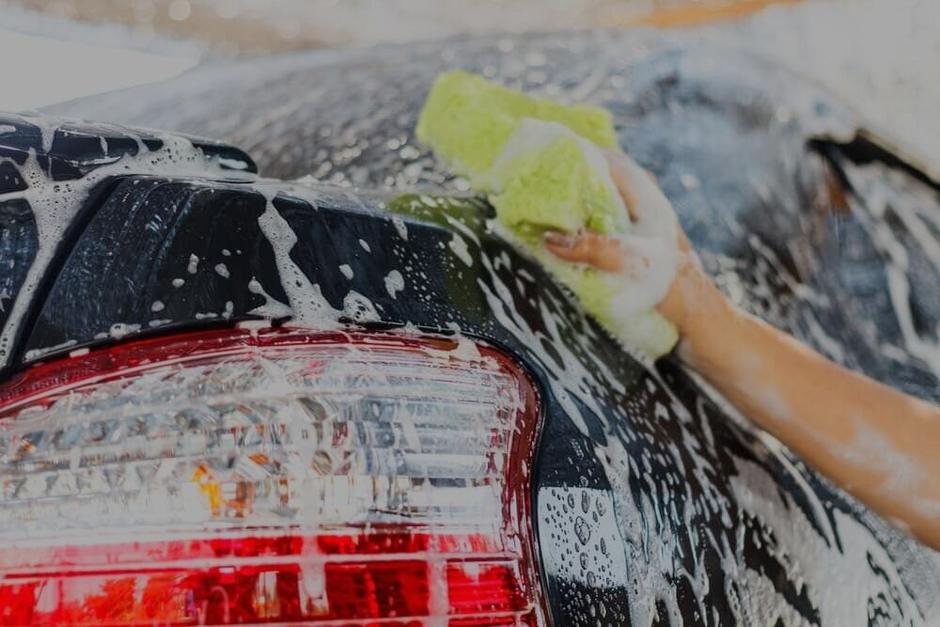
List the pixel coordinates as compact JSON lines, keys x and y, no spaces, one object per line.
{"x":877,"y":443}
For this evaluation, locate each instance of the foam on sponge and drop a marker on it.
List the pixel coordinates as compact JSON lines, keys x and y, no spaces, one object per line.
{"x":541,"y":164}
{"x":469,"y":119}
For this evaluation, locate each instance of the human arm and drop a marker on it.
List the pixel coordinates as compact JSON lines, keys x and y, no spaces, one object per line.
{"x":875,"y":442}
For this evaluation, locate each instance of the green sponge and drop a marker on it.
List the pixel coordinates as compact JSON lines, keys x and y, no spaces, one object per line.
{"x":548,"y":177}
{"x":469,"y":119}
{"x":541,"y":164}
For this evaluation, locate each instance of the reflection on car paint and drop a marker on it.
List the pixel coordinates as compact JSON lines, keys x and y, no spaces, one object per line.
{"x":715,"y":523}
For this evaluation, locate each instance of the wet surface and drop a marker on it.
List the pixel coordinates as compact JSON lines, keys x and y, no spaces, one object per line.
{"x":799,"y":220}
{"x":731,"y":150}
{"x":652,"y":503}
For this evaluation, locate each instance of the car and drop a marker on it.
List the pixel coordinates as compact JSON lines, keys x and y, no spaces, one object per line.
{"x":345,"y":399}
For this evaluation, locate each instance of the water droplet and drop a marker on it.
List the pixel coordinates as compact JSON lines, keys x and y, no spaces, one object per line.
{"x":582,"y":530}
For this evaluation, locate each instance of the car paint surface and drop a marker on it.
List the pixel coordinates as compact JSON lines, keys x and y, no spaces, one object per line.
{"x":655,"y":503}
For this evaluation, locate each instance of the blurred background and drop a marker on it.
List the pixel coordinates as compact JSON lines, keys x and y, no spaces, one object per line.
{"x":252,"y":27}
{"x":881,"y":56}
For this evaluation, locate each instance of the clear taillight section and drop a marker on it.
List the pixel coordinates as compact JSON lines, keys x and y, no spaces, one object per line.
{"x":269,"y":477}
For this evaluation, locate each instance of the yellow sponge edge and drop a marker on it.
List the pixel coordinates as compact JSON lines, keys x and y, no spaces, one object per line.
{"x":548,"y":178}
{"x":469,"y":119}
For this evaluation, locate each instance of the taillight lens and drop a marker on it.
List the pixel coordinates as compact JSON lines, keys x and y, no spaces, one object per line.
{"x":269,"y":476}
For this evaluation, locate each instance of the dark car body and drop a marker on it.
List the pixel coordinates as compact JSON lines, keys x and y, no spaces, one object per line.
{"x":654,"y":502}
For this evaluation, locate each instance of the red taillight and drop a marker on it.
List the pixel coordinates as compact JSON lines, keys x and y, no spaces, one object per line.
{"x":269,"y":477}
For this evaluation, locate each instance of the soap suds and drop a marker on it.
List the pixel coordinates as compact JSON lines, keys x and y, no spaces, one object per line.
{"x":54,"y":203}
{"x":120,"y":329}
{"x":38,"y":353}
{"x":306,"y":300}
{"x":272,"y":308}
{"x":871,"y":449}
{"x":458,"y":246}
{"x":400,"y":227}
{"x":394,"y":283}
{"x":828,"y":574}
{"x":466,"y":348}
{"x":879,"y":201}
{"x":359,"y":308}
{"x":650,"y":243}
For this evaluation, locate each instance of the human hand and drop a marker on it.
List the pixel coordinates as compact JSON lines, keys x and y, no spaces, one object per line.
{"x":827,"y":414}
{"x":654,"y":260}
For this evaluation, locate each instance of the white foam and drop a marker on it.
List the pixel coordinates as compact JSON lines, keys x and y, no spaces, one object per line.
{"x":309,"y":306}
{"x":394,"y":283}
{"x":458,"y":246}
{"x":54,"y":204}
{"x":400,"y":227}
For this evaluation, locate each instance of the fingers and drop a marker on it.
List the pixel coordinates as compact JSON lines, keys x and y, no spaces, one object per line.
{"x":642,"y":268}
{"x":594,"y":249}
{"x":621,"y":177}
{"x":649,"y":208}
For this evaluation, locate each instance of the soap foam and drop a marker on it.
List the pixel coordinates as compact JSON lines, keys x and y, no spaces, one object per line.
{"x":55,"y":203}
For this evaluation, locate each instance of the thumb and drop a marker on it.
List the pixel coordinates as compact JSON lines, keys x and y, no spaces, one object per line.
{"x":651,"y":211}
